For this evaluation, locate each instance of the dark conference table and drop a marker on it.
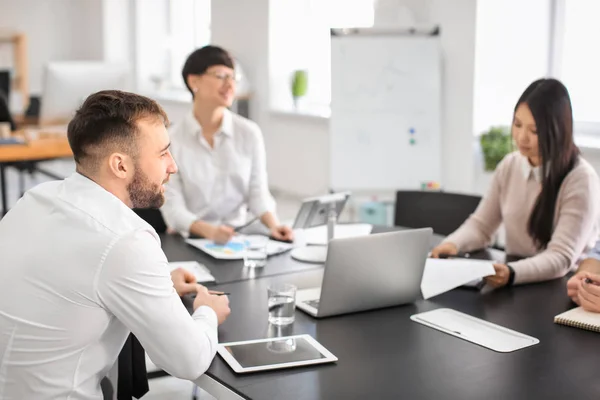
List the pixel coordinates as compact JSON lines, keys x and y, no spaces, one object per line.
{"x":227,"y":271}
{"x":383,"y":354}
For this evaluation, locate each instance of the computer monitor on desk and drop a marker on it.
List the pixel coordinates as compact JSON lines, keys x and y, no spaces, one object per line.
{"x":68,"y":83}
{"x":317,"y":211}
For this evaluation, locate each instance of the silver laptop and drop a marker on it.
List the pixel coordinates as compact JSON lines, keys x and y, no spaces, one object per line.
{"x":369,"y":272}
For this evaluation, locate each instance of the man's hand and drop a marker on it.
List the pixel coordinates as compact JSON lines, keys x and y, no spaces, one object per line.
{"x":501,"y":278}
{"x":184,"y":281}
{"x":283,"y":233}
{"x":220,"y":304}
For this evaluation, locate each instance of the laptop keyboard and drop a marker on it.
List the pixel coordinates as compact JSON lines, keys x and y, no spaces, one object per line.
{"x":313,"y":303}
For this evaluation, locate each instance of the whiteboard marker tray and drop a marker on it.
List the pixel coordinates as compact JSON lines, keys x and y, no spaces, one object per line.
{"x":475,"y":330}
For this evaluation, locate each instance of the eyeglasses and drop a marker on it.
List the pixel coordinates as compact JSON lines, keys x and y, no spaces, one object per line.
{"x":224,"y":77}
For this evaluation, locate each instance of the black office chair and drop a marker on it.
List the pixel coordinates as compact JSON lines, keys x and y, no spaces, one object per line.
{"x":443,"y":212}
{"x":154,"y":217}
{"x":5,"y":111}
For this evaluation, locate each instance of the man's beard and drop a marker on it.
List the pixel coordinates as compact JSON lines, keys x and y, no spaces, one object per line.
{"x":143,"y":193}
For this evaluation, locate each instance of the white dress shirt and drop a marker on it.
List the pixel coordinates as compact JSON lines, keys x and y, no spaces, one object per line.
{"x":218,"y":184}
{"x":79,"y":271}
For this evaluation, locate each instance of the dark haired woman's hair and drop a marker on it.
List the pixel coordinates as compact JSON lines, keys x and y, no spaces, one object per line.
{"x":202,"y":59}
{"x":550,"y":105}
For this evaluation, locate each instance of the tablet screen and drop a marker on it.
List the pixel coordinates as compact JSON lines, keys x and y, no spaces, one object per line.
{"x":285,"y":350}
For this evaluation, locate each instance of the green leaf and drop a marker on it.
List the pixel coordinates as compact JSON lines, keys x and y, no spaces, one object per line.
{"x":495,"y":144}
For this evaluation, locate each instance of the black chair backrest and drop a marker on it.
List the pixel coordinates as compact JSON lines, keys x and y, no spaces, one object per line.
{"x":153,"y":217}
{"x":443,"y":212}
{"x":5,"y":111}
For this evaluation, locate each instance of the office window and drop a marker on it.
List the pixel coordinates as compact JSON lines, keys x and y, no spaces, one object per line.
{"x":507,"y":60}
{"x":189,"y":29}
{"x":167,"y":31}
{"x":300,"y":40}
{"x":577,"y":62}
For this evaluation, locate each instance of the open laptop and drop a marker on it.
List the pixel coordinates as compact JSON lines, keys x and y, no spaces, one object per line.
{"x":369,"y":272}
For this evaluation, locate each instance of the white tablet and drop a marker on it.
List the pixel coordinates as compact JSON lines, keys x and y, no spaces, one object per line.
{"x":274,"y":353}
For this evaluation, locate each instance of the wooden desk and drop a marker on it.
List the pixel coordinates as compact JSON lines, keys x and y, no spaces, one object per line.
{"x":47,"y":146}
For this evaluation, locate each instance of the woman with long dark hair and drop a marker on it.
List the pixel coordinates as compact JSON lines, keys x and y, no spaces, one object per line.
{"x":546,"y":194}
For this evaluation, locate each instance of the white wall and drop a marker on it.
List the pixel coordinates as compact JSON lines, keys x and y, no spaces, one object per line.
{"x":242,"y":27}
{"x":118,"y":31}
{"x":297,"y":147}
{"x":56,"y":30}
{"x":457,"y":20}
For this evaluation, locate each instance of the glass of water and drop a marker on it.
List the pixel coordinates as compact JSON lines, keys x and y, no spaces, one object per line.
{"x":255,"y":251}
{"x":281,"y":303}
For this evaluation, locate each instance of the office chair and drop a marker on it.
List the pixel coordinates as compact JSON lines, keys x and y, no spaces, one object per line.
{"x":153,"y":217}
{"x":443,"y":212}
{"x":5,"y":111}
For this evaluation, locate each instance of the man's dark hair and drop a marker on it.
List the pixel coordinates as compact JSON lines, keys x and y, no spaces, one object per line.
{"x":106,"y":122}
{"x":202,"y":59}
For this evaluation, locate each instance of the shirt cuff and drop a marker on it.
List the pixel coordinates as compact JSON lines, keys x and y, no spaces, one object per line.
{"x":594,"y":253}
{"x":511,"y":276}
{"x":262,"y":205}
{"x":181,"y":221}
{"x":206,"y":314}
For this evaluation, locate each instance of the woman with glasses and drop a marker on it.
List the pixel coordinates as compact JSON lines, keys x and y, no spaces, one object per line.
{"x":221,"y":158}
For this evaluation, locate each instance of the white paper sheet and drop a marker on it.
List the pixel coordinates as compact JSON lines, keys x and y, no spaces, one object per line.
{"x":200,"y":271}
{"x":475,"y":330}
{"x":442,"y":275}
{"x":318,"y":235}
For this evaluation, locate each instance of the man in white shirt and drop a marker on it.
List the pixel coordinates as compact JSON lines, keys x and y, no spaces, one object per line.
{"x":221,"y":156}
{"x":80,"y":270}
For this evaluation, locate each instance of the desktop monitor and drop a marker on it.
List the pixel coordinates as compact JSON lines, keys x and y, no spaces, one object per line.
{"x":317,"y":211}
{"x":67,"y":84}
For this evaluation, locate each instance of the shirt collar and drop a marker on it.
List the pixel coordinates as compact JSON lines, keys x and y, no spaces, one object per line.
{"x":226,"y":124}
{"x":529,"y":170}
{"x":102,"y":206}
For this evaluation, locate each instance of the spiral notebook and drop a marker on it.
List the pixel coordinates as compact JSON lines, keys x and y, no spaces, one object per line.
{"x":579,"y":318}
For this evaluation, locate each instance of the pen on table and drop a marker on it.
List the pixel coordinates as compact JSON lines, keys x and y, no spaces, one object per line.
{"x":458,"y":255}
{"x":247,"y":224}
{"x":218,"y":293}
{"x":588,"y":280}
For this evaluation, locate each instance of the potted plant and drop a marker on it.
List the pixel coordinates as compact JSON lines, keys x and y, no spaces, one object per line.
{"x":299,"y":85}
{"x":495,"y":144}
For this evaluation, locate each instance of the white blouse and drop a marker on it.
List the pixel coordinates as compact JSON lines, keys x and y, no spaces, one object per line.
{"x":217,"y":185}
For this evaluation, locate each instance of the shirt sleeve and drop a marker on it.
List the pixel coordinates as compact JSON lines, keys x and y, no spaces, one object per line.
{"x":595,"y":251}
{"x":259,"y":198}
{"x":478,"y":230}
{"x":577,"y":222}
{"x":134,"y":284}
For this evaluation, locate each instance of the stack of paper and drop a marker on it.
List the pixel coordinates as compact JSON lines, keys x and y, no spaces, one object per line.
{"x":200,"y":271}
{"x":443,"y":275}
